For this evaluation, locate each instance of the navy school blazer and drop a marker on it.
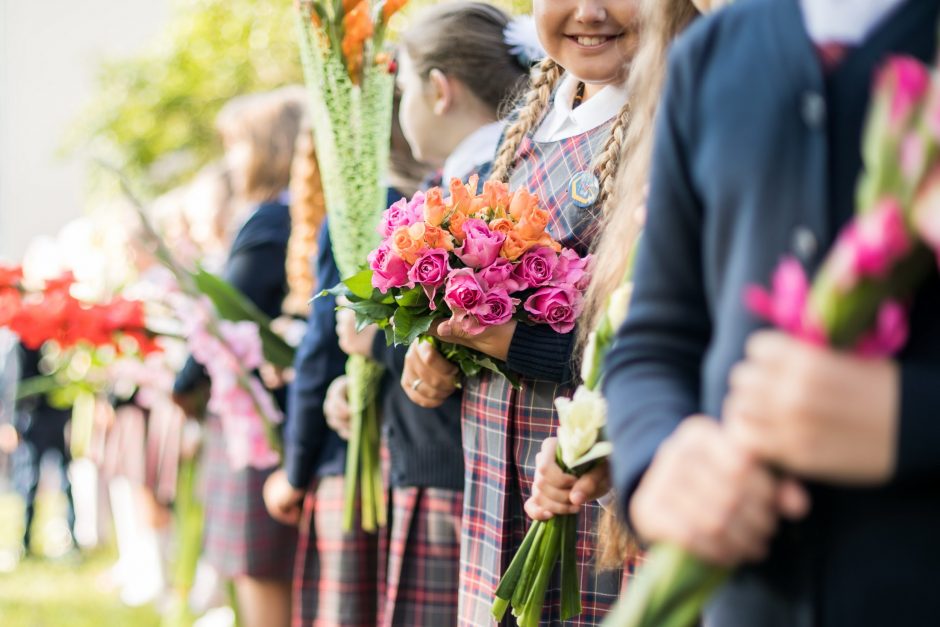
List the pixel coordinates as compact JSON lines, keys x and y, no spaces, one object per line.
{"x":757,"y":154}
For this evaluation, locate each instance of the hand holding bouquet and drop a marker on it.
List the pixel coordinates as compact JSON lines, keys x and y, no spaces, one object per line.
{"x":476,"y":260}
{"x":857,"y":302}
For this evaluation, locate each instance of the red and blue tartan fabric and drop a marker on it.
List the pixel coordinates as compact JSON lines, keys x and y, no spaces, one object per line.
{"x":503,"y":428}
{"x":423,"y":550}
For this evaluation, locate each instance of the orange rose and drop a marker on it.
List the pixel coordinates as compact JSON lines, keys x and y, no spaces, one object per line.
{"x":477,"y":207}
{"x":522,"y":203}
{"x":455,"y":225}
{"x":547,"y":240}
{"x":496,"y":195}
{"x":408,"y":241}
{"x":434,"y":208}
{"x":460,"y":196}
{"x":436,"y":237}
{"x":502,"y":225}
{"x":514,"y":246}
{"x":533,"y":221}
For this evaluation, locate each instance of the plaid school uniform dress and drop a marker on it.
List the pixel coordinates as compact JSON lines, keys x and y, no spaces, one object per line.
{"x":336,"y":580}
{"x":503,"y":428}
{"x":423,"y":553}
{"x":240,"y":537}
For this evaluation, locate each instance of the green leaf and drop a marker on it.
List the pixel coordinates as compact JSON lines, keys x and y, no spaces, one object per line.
{"x":411,"y":298}
{"x":235,"y":306}
{"x":570,"y":576}
{"x":510,"y":579}
{"x":409,"y":326}
{"x":360,"y":284}
{"x":371,"y":311}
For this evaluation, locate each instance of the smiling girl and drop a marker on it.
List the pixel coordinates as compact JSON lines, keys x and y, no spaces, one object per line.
{"x":563,"y":145}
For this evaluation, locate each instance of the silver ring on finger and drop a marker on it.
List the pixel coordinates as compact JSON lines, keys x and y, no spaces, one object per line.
{"x":416,"y":384}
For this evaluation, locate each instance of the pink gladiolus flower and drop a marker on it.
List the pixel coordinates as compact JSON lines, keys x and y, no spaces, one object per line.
{"x":906,"y":79}
{"x":481,"y":246}
{"x":430,"y":271}
{"x":402,"y":213}
{"x":890,"y":332}
{"x":388,"y":269}
{"x":536,"y":267}
{"x":785,"y":304}
{"x":927,"y":211}
{"x":499,"y":274}
{"x":497,"y":308}
{"x":559,"y":307}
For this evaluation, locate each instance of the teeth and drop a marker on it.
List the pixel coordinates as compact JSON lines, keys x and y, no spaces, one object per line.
{"x":591,"y":41}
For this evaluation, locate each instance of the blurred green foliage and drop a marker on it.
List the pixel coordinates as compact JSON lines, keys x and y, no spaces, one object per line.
{"x":153,"y":114}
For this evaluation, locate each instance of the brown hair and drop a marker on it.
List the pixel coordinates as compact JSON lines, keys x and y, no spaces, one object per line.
{"x":270,"y":122}
{"x":661,"y":22}
{"x":307,"y":210}
{"x":465,"y":40}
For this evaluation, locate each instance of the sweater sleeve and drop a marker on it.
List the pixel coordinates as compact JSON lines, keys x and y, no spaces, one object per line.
{"x":318,"y":361}
{"x":652,"y":373}
{"x":539,"y":352}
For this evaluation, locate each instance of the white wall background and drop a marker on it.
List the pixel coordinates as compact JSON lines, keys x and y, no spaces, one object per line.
{"x":48,"y":55}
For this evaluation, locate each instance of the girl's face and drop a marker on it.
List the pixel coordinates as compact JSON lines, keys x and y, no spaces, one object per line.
{"x":592,"y":39}
{"x":416,"y":112}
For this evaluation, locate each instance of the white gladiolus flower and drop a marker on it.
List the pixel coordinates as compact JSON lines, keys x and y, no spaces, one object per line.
{"x":617,"y":305}
{"x":580,"y":420}
{"x":589,"y":356}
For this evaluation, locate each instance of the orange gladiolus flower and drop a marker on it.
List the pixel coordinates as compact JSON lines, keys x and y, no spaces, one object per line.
{"x":358,"y":28}
{"x":391,"y":8}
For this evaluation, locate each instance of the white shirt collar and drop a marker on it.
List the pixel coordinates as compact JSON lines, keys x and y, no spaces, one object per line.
{"x":562,"y":122}
{"x":844,"y":21}
{"x":476,"y":149}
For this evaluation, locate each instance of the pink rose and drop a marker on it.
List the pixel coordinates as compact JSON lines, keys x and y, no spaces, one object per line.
{"x":572,"y":269}
{"x":890,"y":332}
{"x":536,"y":268}
{"x":463,"y":292}
{"x":559,"y":307}
{"x":497,"y":308}
{"x":499,"y":274}
{"x":403,"y":213}
{"x":430,"y":271}
{"x":388,"y":269}
{"x":481,"y":246}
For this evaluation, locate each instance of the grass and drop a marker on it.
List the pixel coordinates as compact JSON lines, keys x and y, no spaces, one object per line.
{"x":63,"y":592}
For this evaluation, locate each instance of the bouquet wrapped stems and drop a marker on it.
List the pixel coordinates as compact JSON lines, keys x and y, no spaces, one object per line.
{"x":857,"y":301}
{"x":351,"y":114}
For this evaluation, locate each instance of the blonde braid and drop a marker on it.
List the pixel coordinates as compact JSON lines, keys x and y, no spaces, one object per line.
{"x":307,"y":209}
{"x":544,"y":79}
{"x":608,"y":162}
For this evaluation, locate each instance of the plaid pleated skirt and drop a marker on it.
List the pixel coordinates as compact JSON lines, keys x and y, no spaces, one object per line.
{"x":241,"y":538}
{"x":423,"y":558}
{"x":336,"y":574}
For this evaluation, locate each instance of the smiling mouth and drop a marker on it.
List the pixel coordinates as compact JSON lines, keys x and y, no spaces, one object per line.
{"x":592,"y":41}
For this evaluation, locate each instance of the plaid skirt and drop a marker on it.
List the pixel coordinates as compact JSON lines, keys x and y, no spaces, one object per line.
{"x":335,"y":574}
{"x":241,"y":538}
{"x":503,"y":430}
{"x":423,"y":558}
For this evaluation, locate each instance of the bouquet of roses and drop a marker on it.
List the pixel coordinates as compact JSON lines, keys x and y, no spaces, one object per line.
{"x":479,"y":260}
{"x":858,"y":300}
